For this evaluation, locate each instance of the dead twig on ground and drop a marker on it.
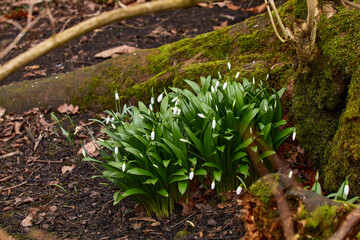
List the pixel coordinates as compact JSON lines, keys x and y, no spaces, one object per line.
{"x":9,"y":188}
{"x":10,"y":155}
{"x":6,"y":178}
{"x":347,"y":3}
{"x":352,"y":219}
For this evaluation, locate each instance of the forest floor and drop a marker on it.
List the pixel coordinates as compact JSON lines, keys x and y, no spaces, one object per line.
{"x":44,"y":183}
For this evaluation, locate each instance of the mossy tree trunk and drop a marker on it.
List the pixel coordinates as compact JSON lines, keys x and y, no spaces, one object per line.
{"x":323,"y":95}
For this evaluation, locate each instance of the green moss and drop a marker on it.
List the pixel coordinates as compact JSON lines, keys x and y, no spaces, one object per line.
{"x":300,"y":9}
{"x":262,"y":191}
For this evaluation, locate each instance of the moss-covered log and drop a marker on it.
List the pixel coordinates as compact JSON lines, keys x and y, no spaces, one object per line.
{"x":313,"y":216}
{"x":323,"y":95}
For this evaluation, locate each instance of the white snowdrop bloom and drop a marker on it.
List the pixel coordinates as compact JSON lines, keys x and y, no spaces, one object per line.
{"x":152,"y":100}
{"x":210,"y":97}
{"x":251,"y":131}
{"x":267,"y":77}
{"x":201,"y":115}
{"x":113,"y":126}
{"x":237,"y":75}
{"x":112,"y":119}
{"x":151,"y":107}
{"x":178,"y":111}
{"x":217,"y":84}
{"x":152,"y":136}
{"x":184,"y":140}
{"x":174,"y":110}
{"x":177,"y":102}
{"x":141,"y":155}
{"x":238,"y":190}
{"x":116,"y":150}
{"x":225,"y":85}
{"x":116,"y":96}
{"x":141,"y":116}
{"x":229,"y":65}
{"x":219,"y":75}
{"x":212,"y":89}
{"x":254,"y":80}
{"x":191,"y":175}
{"x":261,"y":83}
{"x":174,"y":99}
{"x":290,"y":174}
{"x":216,"y":108}
{"x":155,"y":166}
{"x":123,"y":167}
{"x":265,"y":108}
{"x":213,"y":123}
{"x":213,"y":185}
{"x":346,"y":190}
{"x":294,"y":136}
{"x":83,"y":152}
{"x":160,"y":97}
{"x":107,"y":120}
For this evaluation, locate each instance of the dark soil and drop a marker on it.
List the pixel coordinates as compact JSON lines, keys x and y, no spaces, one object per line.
{"x":35,"y":190}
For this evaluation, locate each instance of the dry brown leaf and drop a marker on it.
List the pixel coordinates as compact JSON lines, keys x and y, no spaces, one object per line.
{"x":68,"y":109}
{"x":232,"y":7}
{"x":90,"y":148}
{"x":224,"y":205}
{"x":17,"y":127}
{"x":220,"y":4}
{"x":205,"y":5}
{"x":2,"y":111}
{"x":116,"y":50}
{"x":155,"y":224}
{"x":65,"y":169}
{"x":27,"y":222}
{"x":223,"y":24}
{"x":32,"y":111}
{"x":32,"y":67}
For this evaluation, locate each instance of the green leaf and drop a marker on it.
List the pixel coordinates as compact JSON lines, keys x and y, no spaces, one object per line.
{"x":244,"y":144}
{"x":182,"y":186}
{"x":193,"y":160}
{"x":254,"y":148}
{"x":281,"y":136}
{"x":212,"y":164}
{"x":217,"y":175}
{"x":140,"y":171}
{"x":266,"y":154}
{"x":193,"y":85}
{"x":166,"y":163}
{"x":152,"y":181}
{"x":164,"y":104}
{"x":129,"y":192}
{"x":221,"y":148}
{"x":178,"y":179}
{"x":200,"y":172}
{"x":116,"y":197}
{"x":244,"y":169}
{"x":163,"y":192}
{"x":238,"y":156}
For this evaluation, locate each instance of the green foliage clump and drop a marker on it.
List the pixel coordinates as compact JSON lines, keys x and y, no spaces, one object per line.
{"x":156,"y":150}
{"x":262,"y":191}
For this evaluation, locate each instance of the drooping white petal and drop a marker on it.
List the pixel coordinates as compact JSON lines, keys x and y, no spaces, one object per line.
{"x":217,"y":84}
{"x":160,"y":97}
{"x":174,"y":110}
{"x":229,"y":65}
{"x":216,"y":108}
{"x":265,"y":108}
{"x":156,"y":166}
{"x":178,"y":111}
{"x":113,"y":126}
{"x":191,"y":175}
{"x":83,"y":152}
{"x":346,"y":190}
{"x":290,"y":174}
{"x":254,"y":80}
{"x":251,"y":131}
{"x":225,"y":85}
{"x":152,"y":136}
{"x":151,"y":107}
{"x":107,"y":120}
{"x":116,"y":96}
{"x":238,"y":190}
{"x":213,"y":185}
{"x":152,"y":100}
{"x":116,"y":151}
{"x":184,"y":140}
{"x":294,"y":136}
{"x":237,"y":75}
{"x":174,"y":99}
{"x":123,"y":167}
{"x":213,"y":123}
{"x":212,"y":89}
{"x":201,"y":115}
{"x":141,"y":155}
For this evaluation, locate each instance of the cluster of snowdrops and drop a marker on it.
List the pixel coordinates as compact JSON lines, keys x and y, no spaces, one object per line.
{"x":153,"y":152}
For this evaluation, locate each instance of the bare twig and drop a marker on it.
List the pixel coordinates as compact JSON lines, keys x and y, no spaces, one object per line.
{"x":10,"y":155}
{"x":6,"y":189}
{"x":352,"y":219}
{"x":51,"y":18}
{"x":352,"y":4}
{"x":30,"y":12}
{"x":6,"y":178}
{"x":18,"y":37}
{"x":273,"y":23}
{"x":87,"y":26}
{"x":10,"y":21}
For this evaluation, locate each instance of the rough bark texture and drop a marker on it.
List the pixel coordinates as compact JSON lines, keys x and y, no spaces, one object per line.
{"x":323,"y":95}
{"x":312,"y":215}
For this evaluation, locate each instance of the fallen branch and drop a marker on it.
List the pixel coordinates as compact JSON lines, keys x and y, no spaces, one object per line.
{"x":10,"y":155}
{"x":87,"y":26}
{"x":9,"y":188}
{"x":352,"y":219}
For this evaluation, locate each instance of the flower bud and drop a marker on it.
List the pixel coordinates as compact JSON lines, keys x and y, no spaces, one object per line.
{"x":238,"y":190}
{"x":116,"y":150}
{"x":152,"y":100}
{"x":152,"y":136}
{"x":346,"y":190}
{"x":290,"y":174}
{"x":213,"y":123}
{"x":225,"y":85}
{"x":294,"y":136}
{"x":116,"y":96}
{"x":160,"y":97}
{"x":191,"y":175}
{"x":123,"y":167}
{"x":201,"y":115}
{"x":213,"y":185}
{"x":229,"y":65}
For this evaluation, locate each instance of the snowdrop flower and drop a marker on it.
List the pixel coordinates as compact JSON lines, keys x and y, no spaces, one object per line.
{"x":213,"y":185}
{"x":290,"y":174}
{"x":184,"y":140}
{"x":265,"y":108}
{"x":113,"y":126}
{"x":251,"y":131}
{"x":116,"y":96}
{"x":254,"y":80}
{"x":83,"y":152}
{"x":175,"y":109}
{"x":155,"y":166}
{"x":237,"y":75}
{"x":217,"y":84}
{"x":152,"y":136}
{"x":201,"y":115}
{"x":238,"y":190}
{"x":178,"y":111}
{"x":141,"y":155}
{"x":141,"y":116}
{"x":151,"y":107}
{"x":213,"y":123}
{"x":216,"y":108}
{"x":152,"y":100}
{"x":116,"y":150}
{"x":191,"y":175}
{"x":160,"y":97}
{"x":267,"y":77}
{"x":108,"y":120}
{"x":212,"y":89}
{"x":225,"y":85}
{"x":294,"y":136}
{"x":229,"y":65}
{"x":123,"y":167}
{"x":219,"y":75}
{"x":346,"y":190}
{"x":174,"y":99}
